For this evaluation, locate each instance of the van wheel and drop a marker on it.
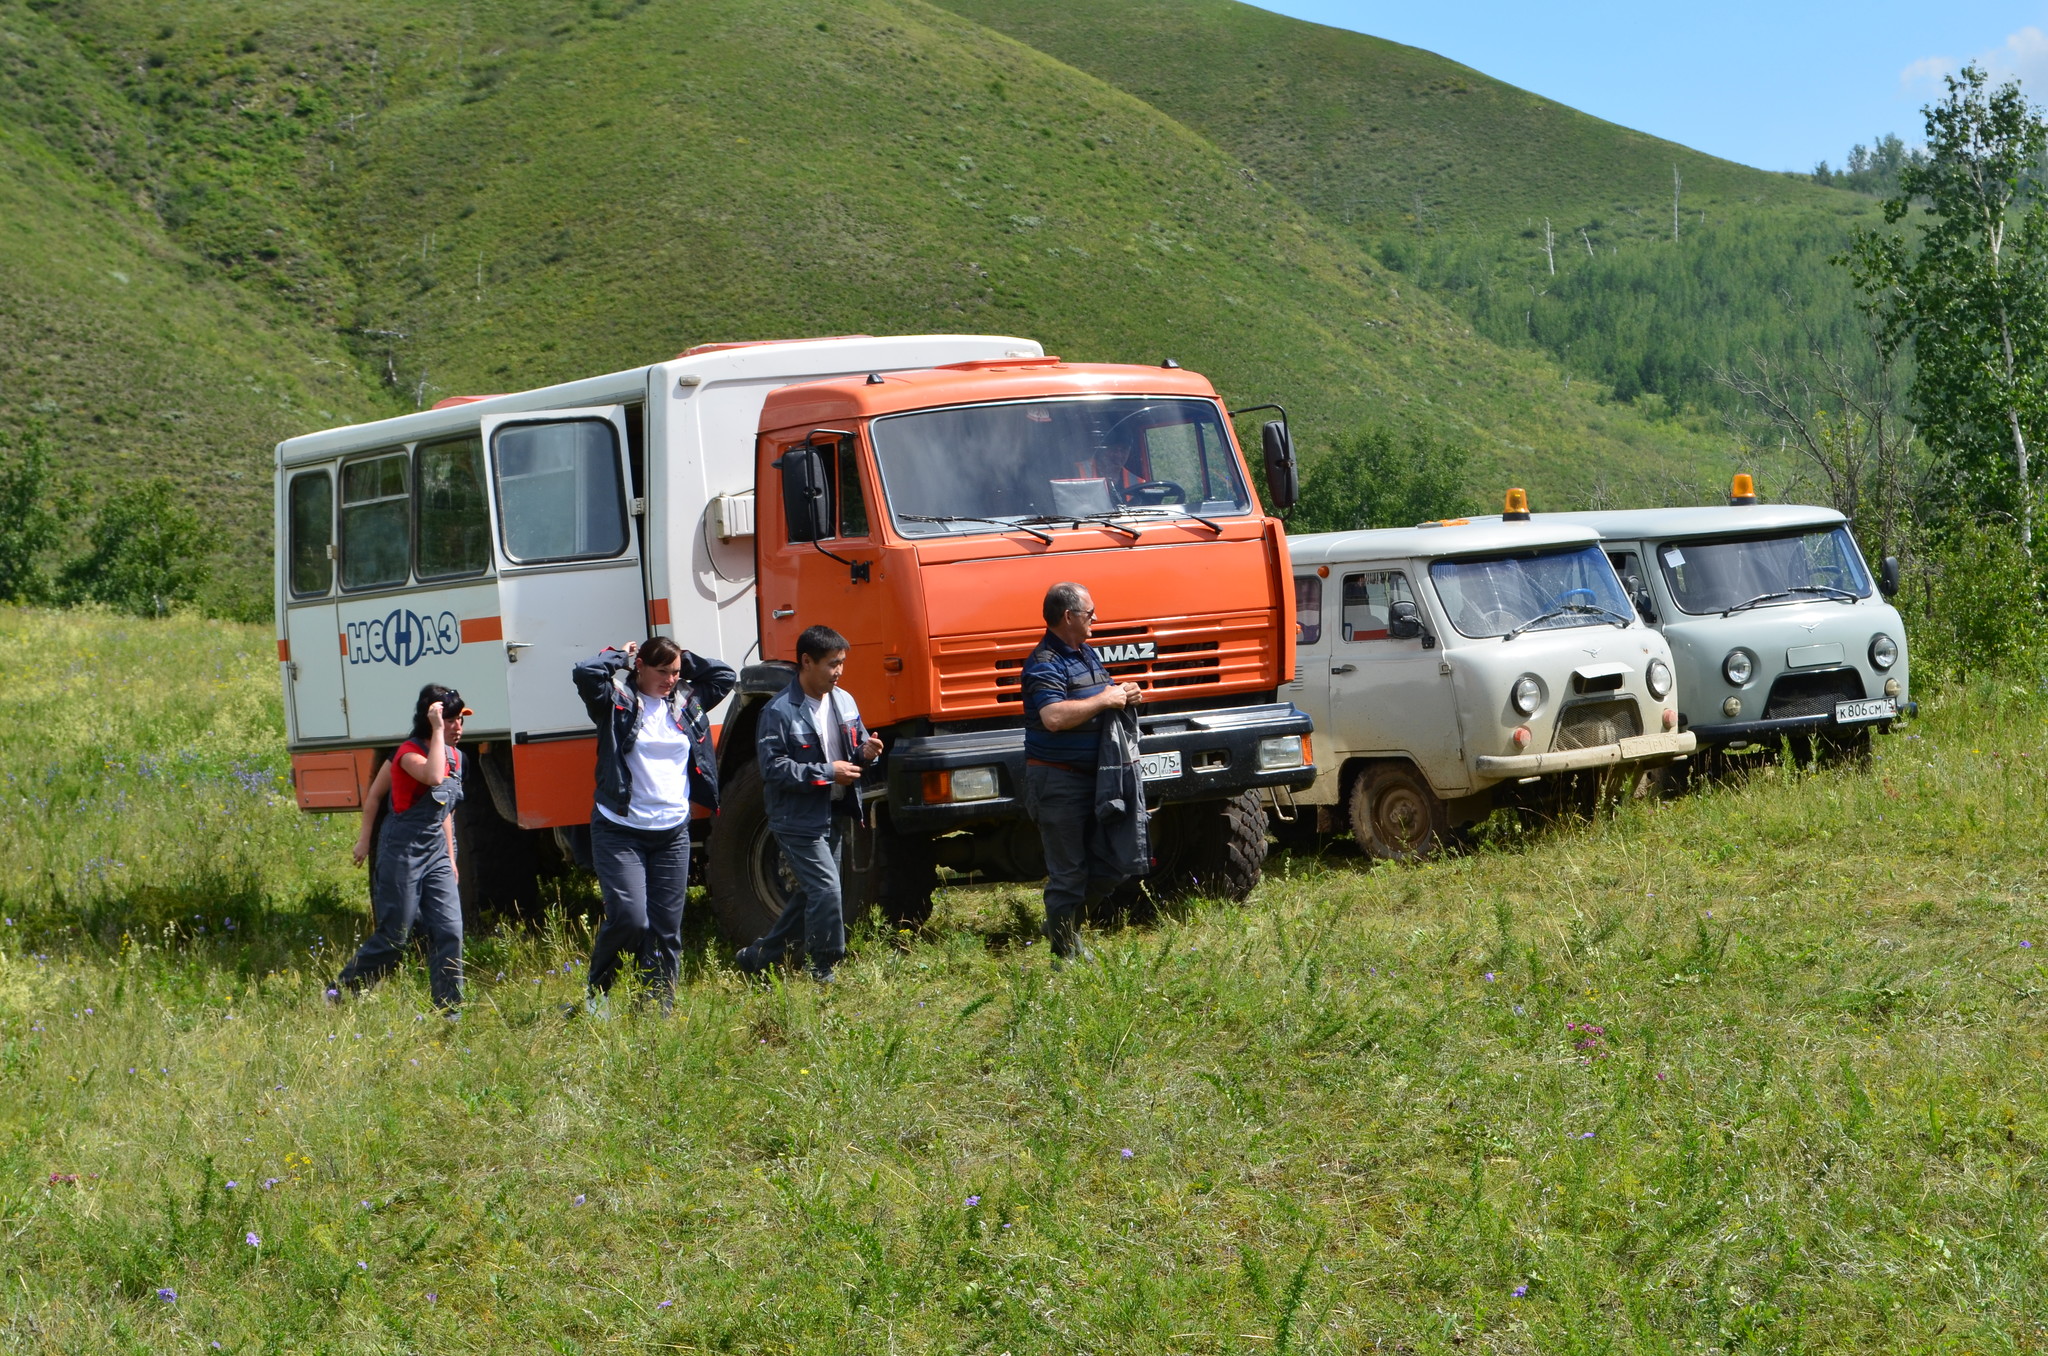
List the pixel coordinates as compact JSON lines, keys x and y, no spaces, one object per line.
{"x":1214,"y":849}
{"x":750,"y":882}
{"x":1395,"y":816}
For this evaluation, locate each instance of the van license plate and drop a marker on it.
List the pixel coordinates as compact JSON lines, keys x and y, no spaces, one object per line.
{"x":1875,"y":708}
{"x":1158,"y":767}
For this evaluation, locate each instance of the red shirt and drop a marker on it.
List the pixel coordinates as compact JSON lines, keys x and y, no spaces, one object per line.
{"x":406,"y":788}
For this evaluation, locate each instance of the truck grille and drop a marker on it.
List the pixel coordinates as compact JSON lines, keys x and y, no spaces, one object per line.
{"x":1591,"y":724}
{"x":984,"y":676}
{"x":1812,"y":694}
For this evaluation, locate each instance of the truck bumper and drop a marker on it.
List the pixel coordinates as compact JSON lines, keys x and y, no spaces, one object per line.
{"x":1636,"y":749}
{"x":1219,"y":757}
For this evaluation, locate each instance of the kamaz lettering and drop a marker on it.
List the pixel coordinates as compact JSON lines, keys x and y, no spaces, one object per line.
{"x":403,"y":638}
{"x":1130,"y":652}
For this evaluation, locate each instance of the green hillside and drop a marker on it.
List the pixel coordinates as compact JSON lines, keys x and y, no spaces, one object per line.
{"x":1451,"y":177}
{"x":355,"y":208}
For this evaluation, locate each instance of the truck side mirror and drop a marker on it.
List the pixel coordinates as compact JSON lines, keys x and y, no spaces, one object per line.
{"x":1283,"y":477}
{"x":1888,"y":576}
{"x":1403,"y":622}
{"x":804,"y":496}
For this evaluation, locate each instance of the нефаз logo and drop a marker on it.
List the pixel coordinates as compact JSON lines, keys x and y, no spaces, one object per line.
{"x":402,"y":638}
{"x":1129,"y":652}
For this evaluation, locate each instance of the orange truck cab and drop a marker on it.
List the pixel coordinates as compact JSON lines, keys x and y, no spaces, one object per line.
{"x":924,"y":514}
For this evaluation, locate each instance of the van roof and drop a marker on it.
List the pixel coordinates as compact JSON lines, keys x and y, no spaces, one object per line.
{"x":971,"y":383}
{"x":1717,"y":520}
{"x":1476,"y":536}
{"x":708,"y":363}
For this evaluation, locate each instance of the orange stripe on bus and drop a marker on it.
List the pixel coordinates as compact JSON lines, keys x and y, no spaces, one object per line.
{"x":284,"y":651}
{"x":482,"y":628}
{"x":657,"y":612}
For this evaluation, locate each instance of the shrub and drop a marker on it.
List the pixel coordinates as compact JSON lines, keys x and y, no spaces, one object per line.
{"x":1375,"y":480}
{"x":142,"y":553}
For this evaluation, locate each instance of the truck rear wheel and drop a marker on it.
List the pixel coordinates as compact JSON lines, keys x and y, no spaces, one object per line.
{"x":1395,"y":816}
{"x":1213,"y":849}
{"x":749,"y":881}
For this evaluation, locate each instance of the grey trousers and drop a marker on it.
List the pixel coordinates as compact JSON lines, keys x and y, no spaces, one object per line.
{"x":814,"y":912}
{"x":1080,"y":869}
{"x":415,"y":885}
{"x":645,"y":877}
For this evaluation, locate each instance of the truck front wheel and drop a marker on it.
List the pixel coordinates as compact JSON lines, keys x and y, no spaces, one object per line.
{"x":1215,"y":849}
{"x":1395,"y":816}
{"x":749,"y":880}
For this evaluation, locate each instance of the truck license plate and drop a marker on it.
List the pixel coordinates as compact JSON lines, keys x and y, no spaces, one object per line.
{"x":1874,"y":708}
{"x":1160,"y":766}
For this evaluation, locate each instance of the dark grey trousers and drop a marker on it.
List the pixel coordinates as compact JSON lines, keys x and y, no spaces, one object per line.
{"x":1080,"y":869}
{"x":415,"y":885}
{"x":814,"y":912}
{"x":645,"y":877}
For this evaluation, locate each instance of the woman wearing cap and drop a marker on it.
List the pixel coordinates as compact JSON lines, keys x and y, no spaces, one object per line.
{"x":654,"y":760}
{"x":414,"y":878}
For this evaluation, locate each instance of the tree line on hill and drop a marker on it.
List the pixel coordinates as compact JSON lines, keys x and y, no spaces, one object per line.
{"x":137,"y":549}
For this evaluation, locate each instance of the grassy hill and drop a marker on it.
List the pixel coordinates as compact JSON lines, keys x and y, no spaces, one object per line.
{"x":363,"y":207}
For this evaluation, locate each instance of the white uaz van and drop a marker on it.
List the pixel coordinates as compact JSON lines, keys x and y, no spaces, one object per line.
{"x":1777,"y":628}
{"x":1456,"y":667}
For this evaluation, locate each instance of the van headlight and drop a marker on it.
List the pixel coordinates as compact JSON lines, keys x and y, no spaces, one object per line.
{"x":1884,"y":651}
{"x":1280,"y":751}
{"x":1658,"y":676}
{"x":1739,"y":667}
{"x":1527,"y":694}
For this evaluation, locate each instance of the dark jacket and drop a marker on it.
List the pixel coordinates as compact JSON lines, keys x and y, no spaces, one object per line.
{"x":796,"y":776}
{"x":1120,"y":793}
{"x":605,"y":683}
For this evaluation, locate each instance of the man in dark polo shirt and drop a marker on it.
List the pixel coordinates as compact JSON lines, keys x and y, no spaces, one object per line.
{"x":1065,"y":690}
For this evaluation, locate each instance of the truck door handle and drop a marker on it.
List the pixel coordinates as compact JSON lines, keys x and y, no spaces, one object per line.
{"x":1341,"y":668}
{"x":513,"y":647}
{"x":781,"y":612}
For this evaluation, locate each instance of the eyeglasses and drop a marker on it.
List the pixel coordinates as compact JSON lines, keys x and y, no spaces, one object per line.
{"x":1077,"y":612}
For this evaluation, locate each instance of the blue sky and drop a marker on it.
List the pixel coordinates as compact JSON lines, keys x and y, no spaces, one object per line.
{"x":1776,"y":85}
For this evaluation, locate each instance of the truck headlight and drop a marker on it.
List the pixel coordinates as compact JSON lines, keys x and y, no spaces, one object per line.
{"x":1884,"y":651}
{"x":1280,"y":751}
{"x":1527,"y":694}
{"x":1658,"y":676}
{"x":1739,"y":667}
{"x":960,"y":783}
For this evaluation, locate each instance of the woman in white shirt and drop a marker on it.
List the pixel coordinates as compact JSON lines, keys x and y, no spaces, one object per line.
{"x":654,"y":761}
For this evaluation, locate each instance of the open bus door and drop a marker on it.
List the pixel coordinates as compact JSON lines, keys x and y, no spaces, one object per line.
{"x":569,"y":584}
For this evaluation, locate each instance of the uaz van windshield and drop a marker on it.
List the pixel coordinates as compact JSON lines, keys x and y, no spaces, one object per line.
{"x":1492,"y":597}
{"x":1048,"y":461}
{"x":1717,"y":576}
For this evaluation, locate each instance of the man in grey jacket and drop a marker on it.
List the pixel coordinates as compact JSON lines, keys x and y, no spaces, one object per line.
{"x":812,"y":747}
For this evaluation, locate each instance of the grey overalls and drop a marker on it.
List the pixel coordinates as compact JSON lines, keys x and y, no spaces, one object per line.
{"x":414,"y":882}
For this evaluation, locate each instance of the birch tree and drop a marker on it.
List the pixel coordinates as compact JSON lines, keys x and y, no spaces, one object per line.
{"x":1968,"y":291}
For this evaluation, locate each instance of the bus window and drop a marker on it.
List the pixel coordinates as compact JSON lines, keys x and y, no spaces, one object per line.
{"x":310,"y":508}
{"x":454,"y":522}
{"x":559,"y":496}
{"x":375,"y":507}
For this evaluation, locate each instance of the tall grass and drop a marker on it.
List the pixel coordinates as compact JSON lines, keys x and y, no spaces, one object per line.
{"x":1762,"y":1067}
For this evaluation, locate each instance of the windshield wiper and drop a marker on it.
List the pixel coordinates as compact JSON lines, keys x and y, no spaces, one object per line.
{"x":1176,"y":511}
{"x":1045,"y":537}
{"x":1107,"y":520}
{"x":1620,"y":621}
{"x":1760,"y":598}
{"x":1827,"y":590}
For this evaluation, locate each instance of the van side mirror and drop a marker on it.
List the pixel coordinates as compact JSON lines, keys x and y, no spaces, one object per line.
{"x":1888,"y":576}
{"x":804,"y":494}
{"x":1283,"y":477}
{"x":1646,"y":606}
{"x":1403,"y":621}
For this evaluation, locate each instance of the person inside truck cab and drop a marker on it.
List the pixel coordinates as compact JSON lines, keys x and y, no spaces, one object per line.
{"x":1066,"y":689}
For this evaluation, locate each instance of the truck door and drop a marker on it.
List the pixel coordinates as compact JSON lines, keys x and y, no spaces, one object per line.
{"x":569,"y":584}
{"x":312,"y":646}
{"x":1390,"y":695}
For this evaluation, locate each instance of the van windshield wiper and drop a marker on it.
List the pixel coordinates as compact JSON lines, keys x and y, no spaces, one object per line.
{"x":1620,"y":621}
{"x":1760,"y":598}
{"x":1045,"y":537}
{"x":1107,"y":520}
{"x":1826,"y":591}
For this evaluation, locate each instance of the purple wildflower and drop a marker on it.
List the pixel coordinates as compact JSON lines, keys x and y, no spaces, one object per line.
{"x":664,"y":1304}
{"x":1489,"y":976}
{"x":973,"y":1201}
{"x":1522,"y":1291}
{"x":578,"y":1200}
{"x":166,"y":1294}
{"x":231,"y":1184}
{"x":270,"y":1182}
{"x":433,"y":1297}
{"x":1127,"y":1153}
{"x":362,"y":1265}
{"x":2027,"y":944}
{"x":1587,"y":1135}
{"x":252,"y":1240}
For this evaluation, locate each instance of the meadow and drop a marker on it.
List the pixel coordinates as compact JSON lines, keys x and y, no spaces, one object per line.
{"x":1760,"y":1069}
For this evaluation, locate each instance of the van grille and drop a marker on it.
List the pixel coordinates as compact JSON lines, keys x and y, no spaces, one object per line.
{"x":984,"y":676}
{"x":1812,"y":694}
{"x":1591,"y":724}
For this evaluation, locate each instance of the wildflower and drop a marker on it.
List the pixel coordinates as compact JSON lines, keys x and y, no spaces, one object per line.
{"x":166,"y":1294}
{"x":2025,"y":944}
{"x":1522,"y":1291}
{"x":362,"y":1265}
{"x":1587,"y":1135}
{"x":973,"y":1201}
{"x":1660,"y":1076}
{"x":366,"y":1205}
{"x":578,"y":1200}
{"x":252,"y":1240}
{"x":270,"y":1182}
{"x":664,"y":1304}
{"x":1489,"y":976}
{"x":433,"y":1297}
{"x":232,"y":1184}
{"x":1127,"y":1153}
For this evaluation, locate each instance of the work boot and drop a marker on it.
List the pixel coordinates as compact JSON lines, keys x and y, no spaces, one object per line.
{"x":750,"y":961}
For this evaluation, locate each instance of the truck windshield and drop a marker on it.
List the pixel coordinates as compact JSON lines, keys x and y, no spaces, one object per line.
{"x":1707,"y":575}
{"x":1492,"y":597}
{"x":967,"y":469}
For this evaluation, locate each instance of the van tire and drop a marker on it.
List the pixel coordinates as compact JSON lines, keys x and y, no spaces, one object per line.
{"x":749,"y":882}
{"x":1211,"y":849}
{"x":1395,"y":816}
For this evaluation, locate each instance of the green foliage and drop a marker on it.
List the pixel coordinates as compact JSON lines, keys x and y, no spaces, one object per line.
{"x":1969,"y":292}
{"x":1978,"y":612}
{"x":142,"y":553}
{"x":1374,"y":479}
{"x":1873,"y":169}
{"x":29,"y":526}
{"x":1358,"y":1107}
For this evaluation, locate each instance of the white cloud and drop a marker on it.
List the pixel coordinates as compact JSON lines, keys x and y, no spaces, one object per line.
{"x":2023,"y":56}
